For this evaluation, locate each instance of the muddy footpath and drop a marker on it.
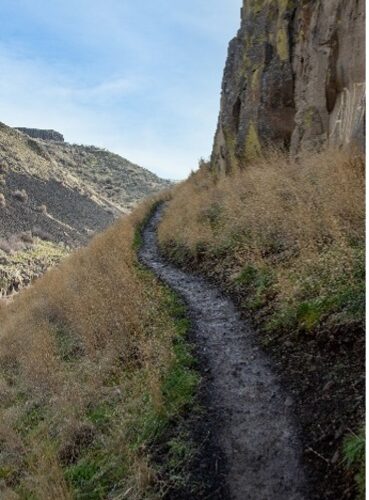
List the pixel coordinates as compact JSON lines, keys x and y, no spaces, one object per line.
{"x":252,"y":414}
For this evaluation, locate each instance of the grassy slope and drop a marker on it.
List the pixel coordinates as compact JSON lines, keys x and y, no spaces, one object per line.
{"x":287,"y":240}
{"x":94,"y":369}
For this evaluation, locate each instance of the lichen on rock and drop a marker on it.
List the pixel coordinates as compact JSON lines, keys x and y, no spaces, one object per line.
{"x":294,"y":78}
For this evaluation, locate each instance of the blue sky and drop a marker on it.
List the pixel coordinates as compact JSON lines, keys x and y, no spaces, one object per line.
{"x":139,"y":77}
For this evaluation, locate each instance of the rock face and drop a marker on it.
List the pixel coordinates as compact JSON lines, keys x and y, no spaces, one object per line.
{"x":294,"y":78}
{"x":46,"y":135}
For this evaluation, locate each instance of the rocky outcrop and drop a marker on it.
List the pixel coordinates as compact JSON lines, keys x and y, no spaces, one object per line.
{"x":294,"y":78}
{"x":46,"y":135}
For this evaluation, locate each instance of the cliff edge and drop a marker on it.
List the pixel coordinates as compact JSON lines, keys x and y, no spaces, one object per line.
{"x":294,"y":78}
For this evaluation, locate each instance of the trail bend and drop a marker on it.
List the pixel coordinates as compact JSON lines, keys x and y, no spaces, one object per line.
{"x":255,"y":426}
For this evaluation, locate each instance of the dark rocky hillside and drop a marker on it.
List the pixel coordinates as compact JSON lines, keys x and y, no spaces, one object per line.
{"x":49,"y":207}
{"x":68,"y":191}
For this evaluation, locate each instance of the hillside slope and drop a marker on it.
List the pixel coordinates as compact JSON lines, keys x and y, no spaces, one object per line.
{"x":95,"y":179}
{"x":59,"y":193}
{"x":121,"y":182}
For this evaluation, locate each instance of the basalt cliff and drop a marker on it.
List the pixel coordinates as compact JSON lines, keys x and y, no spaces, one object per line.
{"x":294,"y":78}
{"x":46,"y":135}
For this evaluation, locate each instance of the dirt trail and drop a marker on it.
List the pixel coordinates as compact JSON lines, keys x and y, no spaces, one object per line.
{"x":256,"y":428}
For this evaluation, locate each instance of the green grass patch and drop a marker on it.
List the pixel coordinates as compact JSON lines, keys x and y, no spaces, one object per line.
{"x":101,"y":415}
{"x":354,"y":456}
{"x":31,"y":419}
{"x":181,"y":381}
{"x":69,"y":346}
{"x":327,"y":293}
{"x":247,"y":276}
{"x":258,"y":282}
{"x":93,"y":477}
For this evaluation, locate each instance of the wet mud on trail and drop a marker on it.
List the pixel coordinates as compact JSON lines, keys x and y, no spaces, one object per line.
{"x":255,"y":427}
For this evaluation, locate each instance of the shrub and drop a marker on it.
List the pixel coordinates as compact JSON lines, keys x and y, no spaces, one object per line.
{"x":26,"y":237}
{"x":5,"y":246}
{"x":42,"y":209}
{"x":38,"y":232}
{"x":20,"y":195}
{"x":2,"y":201}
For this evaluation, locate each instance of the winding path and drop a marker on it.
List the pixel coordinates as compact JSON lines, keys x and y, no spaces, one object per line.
{"x":256,"y":429}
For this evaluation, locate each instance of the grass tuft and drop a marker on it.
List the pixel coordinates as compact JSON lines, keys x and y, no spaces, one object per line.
{"x":354,"y":456}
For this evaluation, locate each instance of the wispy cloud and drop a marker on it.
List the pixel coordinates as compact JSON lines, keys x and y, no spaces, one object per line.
{"x":140,"y":79}
{"x":105,"y":92}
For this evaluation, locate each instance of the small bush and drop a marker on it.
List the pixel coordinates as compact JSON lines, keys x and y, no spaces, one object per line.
{"x":26,"y":237}
{"x":38,"y":232}
{"x":42,"y":209}
{"x":20,"y":195}
{"x":16,"y":242}
{"x":5,"y":246}
{"x":2,"y":201}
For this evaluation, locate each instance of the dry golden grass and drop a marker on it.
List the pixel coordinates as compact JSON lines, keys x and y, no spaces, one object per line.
{"x":303,"y":203}
{"x":83,"y":355}
{"x":286,"y":218}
